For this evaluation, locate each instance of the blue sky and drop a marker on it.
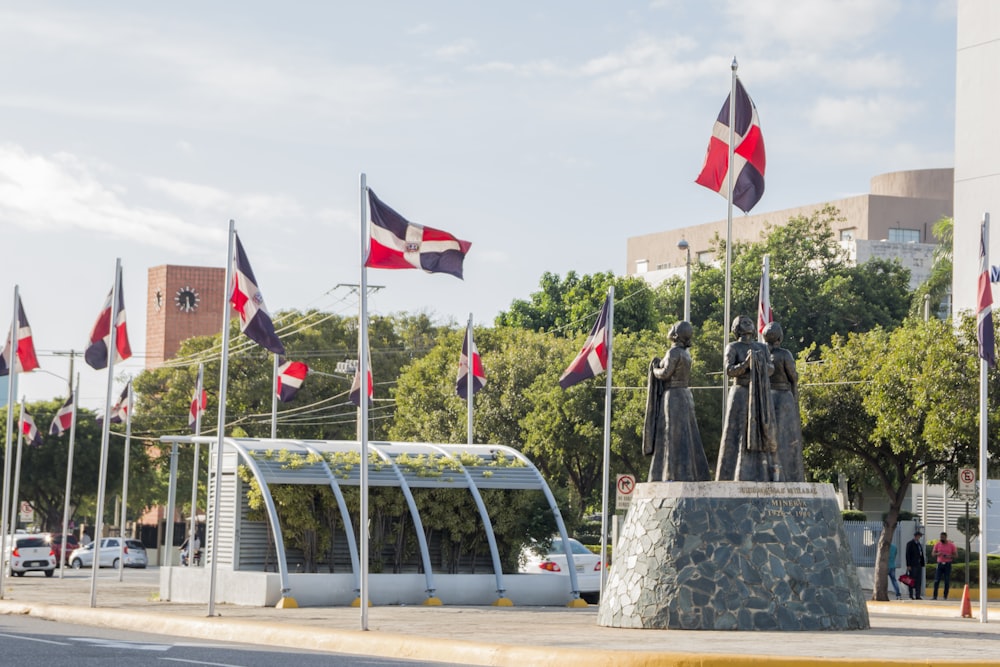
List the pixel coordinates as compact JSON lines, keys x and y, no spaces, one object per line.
{"x":546,"y":133}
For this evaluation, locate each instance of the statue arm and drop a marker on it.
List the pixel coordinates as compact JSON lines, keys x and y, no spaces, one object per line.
{"x":665,"y":369}
{"x":735,"y":367}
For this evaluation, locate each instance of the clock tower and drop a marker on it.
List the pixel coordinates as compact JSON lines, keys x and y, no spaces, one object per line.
{"x":181,"y":302}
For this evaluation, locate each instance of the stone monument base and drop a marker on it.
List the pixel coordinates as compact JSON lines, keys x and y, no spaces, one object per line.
{"x":733,"y":556}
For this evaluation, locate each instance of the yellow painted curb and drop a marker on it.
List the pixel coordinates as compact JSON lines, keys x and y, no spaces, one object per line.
{"x":503,"y":602}
{"x":287,"y":603}
{"x":578,"y":603}
{"x":356,"y":602}
{"x":432,"y":602}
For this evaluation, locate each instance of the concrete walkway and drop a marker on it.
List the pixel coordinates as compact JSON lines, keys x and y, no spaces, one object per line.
{"x":903,"y":632}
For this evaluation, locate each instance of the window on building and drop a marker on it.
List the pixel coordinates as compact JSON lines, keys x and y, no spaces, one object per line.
{"x":900,"y":235}
{"x":641,"y":265}
{"x":706,"y":257}
{"x":847,"y":234}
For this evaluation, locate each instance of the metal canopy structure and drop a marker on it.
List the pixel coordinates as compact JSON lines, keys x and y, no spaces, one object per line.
{"x":394,"y":464}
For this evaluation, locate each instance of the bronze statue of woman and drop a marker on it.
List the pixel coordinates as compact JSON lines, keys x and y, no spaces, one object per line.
{"x":670,"y":432}
{"x":785,"y":396}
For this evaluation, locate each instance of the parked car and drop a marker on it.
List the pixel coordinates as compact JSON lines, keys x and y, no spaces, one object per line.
{"x":72,"y":543}
{"x":31,"y":553}
{"x":535,"y":560}
{"x":111,"y":553}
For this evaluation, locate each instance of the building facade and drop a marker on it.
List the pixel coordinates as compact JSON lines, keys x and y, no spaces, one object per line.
{"x":181,"y":302}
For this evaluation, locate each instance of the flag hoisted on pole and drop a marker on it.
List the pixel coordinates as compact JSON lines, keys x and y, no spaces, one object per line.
{"x":764,"y":313}
{"x":248,"y":302}
{"x":198,"y":404}
{"x":736,"y":134}
{"x":29,"y":429}
{"x":60,"y":416}
{"x":21,"y":432}
{"x":9,"y":433}
{"x":113,"y":311}
{"x":355,"y":394}
{"x":987,"y":360}
{"x":25,"y":357}
{"x":128,"y":400}
{"x":469,"y":366}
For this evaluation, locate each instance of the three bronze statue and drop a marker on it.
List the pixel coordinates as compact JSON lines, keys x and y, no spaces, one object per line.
{"x":762,"y":433}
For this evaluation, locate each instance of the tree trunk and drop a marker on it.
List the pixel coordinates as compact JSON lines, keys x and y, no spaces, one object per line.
{"x":880,"y":589}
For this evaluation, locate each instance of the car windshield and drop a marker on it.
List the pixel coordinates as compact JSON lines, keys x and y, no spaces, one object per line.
{"x":575,"y":547}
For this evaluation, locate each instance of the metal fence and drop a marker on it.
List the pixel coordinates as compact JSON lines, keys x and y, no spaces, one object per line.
{"x":863,"y":537}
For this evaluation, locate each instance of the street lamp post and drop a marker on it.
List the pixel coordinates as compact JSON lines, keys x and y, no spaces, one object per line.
{"x":685,"y":246}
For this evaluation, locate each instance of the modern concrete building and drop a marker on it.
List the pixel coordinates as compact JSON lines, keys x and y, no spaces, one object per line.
{"x":893,"y":221}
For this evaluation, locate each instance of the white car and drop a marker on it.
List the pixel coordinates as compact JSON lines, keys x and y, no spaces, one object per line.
{"x":111,"y":554}
{"x":31,"y":553}
{"x":553,"y":561}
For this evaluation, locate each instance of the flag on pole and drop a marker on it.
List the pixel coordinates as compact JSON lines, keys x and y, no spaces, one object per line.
{"x":96,"y":354}
{"x":397,"y":243}
{"x":119,"y":412}
{"x":64,"y":417}
{"x":247,"y":300}
{"x":26,"y":360}
{"x":593,"y":358}
{"x":984,"y":316}
{"x":748,"y":153}
{"x":197,"y":407}
{"x":764,"y":313}
{"x":356,"y":387}
{"x":291,"y":375}
{"x":30,"y":431}
{"x":478,"y":375}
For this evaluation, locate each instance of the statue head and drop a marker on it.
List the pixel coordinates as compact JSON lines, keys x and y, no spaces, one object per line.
{"x":682,"y":333}
{"x":742,"y":326}
{"x":773,"y":334}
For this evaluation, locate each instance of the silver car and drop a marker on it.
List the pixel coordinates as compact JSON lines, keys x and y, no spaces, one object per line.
{"x":112,"y":552}
{"x":31,"y":553}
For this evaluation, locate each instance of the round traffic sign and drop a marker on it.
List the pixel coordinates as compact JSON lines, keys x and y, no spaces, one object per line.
{"x":626,"y":484}
{"x":967,"y":476}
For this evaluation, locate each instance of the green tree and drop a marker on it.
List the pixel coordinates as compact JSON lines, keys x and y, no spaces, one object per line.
{"x":937,"y":287}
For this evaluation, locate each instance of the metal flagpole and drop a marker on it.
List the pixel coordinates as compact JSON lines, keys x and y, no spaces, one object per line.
{"x":363,"y":400}
{"x":197,"y":463}
{"x":223,"y":377}
{"x":983,"y":443}
{"x":729,"y":236}
{"x":606,"y":476}
{"x":69,"y":467}
{"x":274,"y":399}
{"x":764,"y":300}
{"x":128,"y":451}
{"x":102,"y":477}
{"x":468,"y":377}
{"x":11,"y":393}
{"x":17,"y":473}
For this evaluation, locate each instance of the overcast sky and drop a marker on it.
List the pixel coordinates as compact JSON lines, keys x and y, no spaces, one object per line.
{"x":546,"y":133}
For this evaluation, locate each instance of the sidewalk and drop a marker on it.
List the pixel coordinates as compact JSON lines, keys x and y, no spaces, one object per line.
{"x":902,"y":632}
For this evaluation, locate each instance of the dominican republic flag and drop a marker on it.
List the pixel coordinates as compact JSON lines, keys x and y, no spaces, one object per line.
{"x":397,"y":243}
{"x":593,"y":358}
{"x":356,"y":386}
{"x":197,"y":408}
{"x":30,"y":431}
{"x":247,"y":300}
{"x":984,"y":316}
{"x":291,"y":375}
{"x":96,"y":355}
{"x":748,"y":154}
{"x":27,"y":360}
{"x":119,"y":411}
{"x":764,"y":313}
{"x":478,"y":375}
{"x":64,"y":417}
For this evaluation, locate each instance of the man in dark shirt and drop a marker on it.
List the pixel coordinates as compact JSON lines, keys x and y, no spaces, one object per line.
{"x":915,"y":564}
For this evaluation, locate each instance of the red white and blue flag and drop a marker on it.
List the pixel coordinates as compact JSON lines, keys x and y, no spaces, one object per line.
{"x":478,"y":374}
{"x":30,"y":431}
{"x":119,"y":411}
{"x":764,"y":313}
{"x":197,"y":408}
{"x":397,"y":243}
{"x":291,"y":376}
{"x":748,"y":153}
{"x":984,"y":314}
{"x":96,"y":354}
{"x":356,"y":385}
{"x":26,"y":359}
{"x":64,"y":417}
{"x":593,"y":358}
{"x":248,"y":302}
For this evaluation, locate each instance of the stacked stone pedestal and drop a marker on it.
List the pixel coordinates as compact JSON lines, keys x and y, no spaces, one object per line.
{"x":733,"y":556}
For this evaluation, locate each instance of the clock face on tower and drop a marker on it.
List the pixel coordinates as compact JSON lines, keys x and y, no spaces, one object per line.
{"x":186,"y":299}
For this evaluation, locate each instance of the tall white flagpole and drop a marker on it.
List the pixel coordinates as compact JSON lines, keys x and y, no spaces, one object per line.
{"x":764,"y":299}
{"x":274,"y":399}
{"x":363,"y":400}
{"x":69,"y":468}
{"x":197,"y":462}
{"x":469,"y":377}
{"x":983,"y":445}
{"x":128,"y":451}
{"x":729,"y":236}
{"x":102,"y":477}
{"x":14,"y":515}
{"x":223,"y":378}
{"x":11,"y":393}
{"x":606,"y":476}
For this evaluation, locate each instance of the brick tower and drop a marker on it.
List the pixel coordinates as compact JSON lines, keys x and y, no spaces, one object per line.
{"x":181,"y":302}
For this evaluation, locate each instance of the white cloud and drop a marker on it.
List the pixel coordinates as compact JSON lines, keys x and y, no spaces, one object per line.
{"x":456,"y":50}
{"x":875,"y":116}
{"x":208,"y":199}
{"x":419,"y":29}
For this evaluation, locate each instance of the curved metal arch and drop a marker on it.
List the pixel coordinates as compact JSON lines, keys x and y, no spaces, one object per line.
{"x":559,"y":521}
{"x":345,"y":515}
{"x":484,"y":515}
{"x":418,"y":525}
{"x":272,"y":512}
